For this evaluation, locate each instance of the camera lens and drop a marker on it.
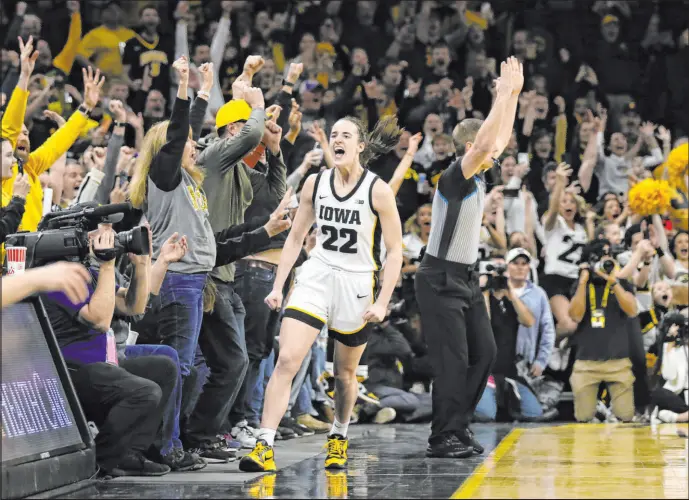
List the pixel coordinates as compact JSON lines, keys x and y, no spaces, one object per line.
{"x":134,"y":241}
{"x":608,"y":266}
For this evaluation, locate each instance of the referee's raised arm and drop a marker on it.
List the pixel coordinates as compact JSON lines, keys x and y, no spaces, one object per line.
{"x":454,"y":318}
{"x":494,"y":134}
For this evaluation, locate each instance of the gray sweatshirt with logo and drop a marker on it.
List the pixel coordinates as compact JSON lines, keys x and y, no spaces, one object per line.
{"x":174,"y":202}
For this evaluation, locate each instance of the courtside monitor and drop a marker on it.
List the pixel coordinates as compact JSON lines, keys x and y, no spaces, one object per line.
{"x":41,"y":417}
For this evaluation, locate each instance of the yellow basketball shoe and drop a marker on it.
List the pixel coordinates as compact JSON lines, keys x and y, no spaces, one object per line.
{"x":261,"y":459}
{"x":337,"y":452}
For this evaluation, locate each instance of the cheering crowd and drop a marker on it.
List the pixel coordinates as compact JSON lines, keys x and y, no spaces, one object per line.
{"x":209,"y":117}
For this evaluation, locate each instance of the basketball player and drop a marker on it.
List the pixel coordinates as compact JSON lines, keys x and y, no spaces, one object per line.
{"x":454,"y":318}
{"x":565,"y":236}
{"x":337,"y":285}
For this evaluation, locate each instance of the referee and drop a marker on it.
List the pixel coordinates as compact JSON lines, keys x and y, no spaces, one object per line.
{"x":454,"y":319}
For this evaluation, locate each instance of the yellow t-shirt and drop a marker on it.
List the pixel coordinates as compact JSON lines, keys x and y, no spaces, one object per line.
{"x":105,"y":43}
{"x":40,"y":160}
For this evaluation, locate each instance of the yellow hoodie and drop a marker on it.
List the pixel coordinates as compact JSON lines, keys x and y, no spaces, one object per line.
{"x":40,"y":160}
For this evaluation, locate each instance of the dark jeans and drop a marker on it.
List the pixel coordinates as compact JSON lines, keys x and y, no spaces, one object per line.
{"x":253,"y":284}
{"x":174,"y":319}
{"x":224,"y":350}
{"x":125,"y":402}
{"x":668,"y":400}
{"x":460,"y":341}
{"x":168,"y":435}
{"x":175,"y":316}
{"x":637,"y":355}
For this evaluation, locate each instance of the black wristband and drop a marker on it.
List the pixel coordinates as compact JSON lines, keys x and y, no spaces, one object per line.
{"x":285,"y":83}
{"x":84,"y":110}
{"x":105,"y":255}
{"x":659,"y":252}
{"x":119,"y":124}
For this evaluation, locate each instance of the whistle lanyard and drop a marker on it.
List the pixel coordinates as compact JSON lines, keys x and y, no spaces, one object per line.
{"x":598,"y":315}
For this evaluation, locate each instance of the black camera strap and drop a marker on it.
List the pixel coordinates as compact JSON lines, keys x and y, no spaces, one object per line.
{"x":598,"y":315}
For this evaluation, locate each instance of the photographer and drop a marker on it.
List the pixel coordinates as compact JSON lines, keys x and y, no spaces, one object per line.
{"x":602,"y":306}
{"x":673,"y":362}
{"x":524,"y":333}
{"x":125,"y":400}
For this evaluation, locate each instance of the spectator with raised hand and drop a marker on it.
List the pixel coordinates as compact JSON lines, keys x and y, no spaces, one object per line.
{"x":312,"y":160}
{"x":167,"y":187}
{"x":98,"y":183}
{"x":240,"y":126}
{"x":36,"y":162}
{"x":255,"y":273}
{"x":565,"y":236}
{"x":612,"y":170}
{"x":294,"y":122}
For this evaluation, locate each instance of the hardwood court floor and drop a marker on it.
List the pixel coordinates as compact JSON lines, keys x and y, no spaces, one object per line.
{"x":533,"y":461}
{"x":584,"y":461}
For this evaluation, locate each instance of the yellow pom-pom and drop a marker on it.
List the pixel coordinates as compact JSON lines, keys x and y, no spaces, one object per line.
{"x":676,"y":166}
{"x":650,"y":197}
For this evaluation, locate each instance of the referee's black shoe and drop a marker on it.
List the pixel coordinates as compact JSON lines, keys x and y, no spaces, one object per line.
{"x":467,"y":438}
{"x":448,"y":446}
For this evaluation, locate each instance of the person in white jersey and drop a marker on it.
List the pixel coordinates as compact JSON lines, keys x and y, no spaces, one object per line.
{"x":565,"y":236}
{"x":353,"y":209}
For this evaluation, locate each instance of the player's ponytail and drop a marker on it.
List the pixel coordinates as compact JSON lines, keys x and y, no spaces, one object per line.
{"x":381,"y":140}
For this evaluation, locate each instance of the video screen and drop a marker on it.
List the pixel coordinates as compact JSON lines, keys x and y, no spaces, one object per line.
{"x":36,"y":415}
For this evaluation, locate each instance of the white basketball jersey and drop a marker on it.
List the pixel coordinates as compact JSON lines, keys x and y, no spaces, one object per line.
{"x":348,"y":233}
{"x":563,"y":248}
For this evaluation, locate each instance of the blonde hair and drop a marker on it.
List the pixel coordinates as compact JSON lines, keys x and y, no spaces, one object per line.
{"x":154,"y":140}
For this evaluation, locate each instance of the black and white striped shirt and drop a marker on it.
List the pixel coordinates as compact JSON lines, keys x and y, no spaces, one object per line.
{"x":457,"y":216}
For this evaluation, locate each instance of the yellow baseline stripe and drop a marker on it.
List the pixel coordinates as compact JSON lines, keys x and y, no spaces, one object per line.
{"x":470,"y":486}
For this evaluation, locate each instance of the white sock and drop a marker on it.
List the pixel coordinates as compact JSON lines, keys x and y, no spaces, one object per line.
{"x":667,"y":416}
{"x":339,"y":428}
{"x":268,"y":435}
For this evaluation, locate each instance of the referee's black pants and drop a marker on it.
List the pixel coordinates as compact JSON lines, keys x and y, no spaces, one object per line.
{"x":461,"y":346}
